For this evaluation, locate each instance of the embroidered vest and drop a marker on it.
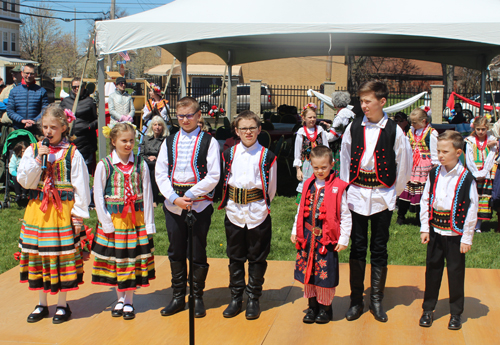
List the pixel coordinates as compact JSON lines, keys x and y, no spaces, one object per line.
{"x":198,"y":158}
{"x":384,"y":155}
{"x":266,"y":161}
{"x":62,"y":175}
{"x":424,"y":144}
{"x":461,"y":199}
{"x":307,"y":145}
{"x":478,"y":154}
{"x":114,"y":192}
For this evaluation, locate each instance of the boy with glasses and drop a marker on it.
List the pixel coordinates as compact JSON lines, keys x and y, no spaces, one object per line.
{"x":249,"y":186}
{"x":187,"y":171}
{"x":120,"y":103}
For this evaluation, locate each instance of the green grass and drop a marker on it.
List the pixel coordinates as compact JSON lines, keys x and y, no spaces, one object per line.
{"x":404,"y":243}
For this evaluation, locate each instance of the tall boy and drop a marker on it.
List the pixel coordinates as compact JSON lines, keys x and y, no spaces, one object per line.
{"x":187,"y":171}
{"x":249,"y":186}
{"x":376,"y":160}
{"x":448,"y":214}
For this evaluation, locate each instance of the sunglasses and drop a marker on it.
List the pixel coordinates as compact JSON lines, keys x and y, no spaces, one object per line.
{"x":75,"y":87}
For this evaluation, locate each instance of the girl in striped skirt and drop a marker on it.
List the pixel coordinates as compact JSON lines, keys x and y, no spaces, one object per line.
{"x":59,"y":194}
{"x":480,"y":157}
{"x":423,"y":141}
{"x":123,"y":246}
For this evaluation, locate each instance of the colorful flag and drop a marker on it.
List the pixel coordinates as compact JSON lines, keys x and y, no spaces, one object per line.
{"x":124,"y":55}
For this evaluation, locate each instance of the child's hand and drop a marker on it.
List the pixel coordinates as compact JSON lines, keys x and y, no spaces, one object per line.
{"x":425,"y":237}
{"x":326,"y":124}
{"x":43,"y":150}
{"x":339,"y":247}
{"x":78,"y":229}
{"x":464,"y":248}
{"x":183,"y":202}
{"x":300,"y":176}
{"x":293,"y":238}
{"x":491,"y":144}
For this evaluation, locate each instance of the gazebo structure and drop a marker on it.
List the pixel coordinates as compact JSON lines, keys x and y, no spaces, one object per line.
{"x":441,"y":31}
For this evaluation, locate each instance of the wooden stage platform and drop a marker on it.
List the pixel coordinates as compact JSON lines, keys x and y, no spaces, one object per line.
{"x":280,"y":322}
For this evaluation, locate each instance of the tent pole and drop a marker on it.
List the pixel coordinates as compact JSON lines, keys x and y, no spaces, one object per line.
{"x":102,"y":105}
{"x":183,"y":78}
{"x":483,"y":87}
{"x":229,"y":92}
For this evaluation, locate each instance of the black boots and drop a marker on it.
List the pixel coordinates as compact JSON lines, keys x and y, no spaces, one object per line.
{"x":312,"y":311}
{"x":324,"y":314}
{"x":199,"y":277}
{"x":356,"y":279}
{"x":237,"y":286}
{"x":256,"y":273}
{"x":179,"y":280}
{"x":379,"y":276}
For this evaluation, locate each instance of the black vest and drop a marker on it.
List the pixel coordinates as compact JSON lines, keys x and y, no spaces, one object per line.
{"x":267,"y":159}
{"x":198,"y":160}
{"x":461,"y":199}
{"x":384,"y":154}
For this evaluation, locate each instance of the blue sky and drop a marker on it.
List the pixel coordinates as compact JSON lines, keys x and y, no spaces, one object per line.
{"x":82,"y":27}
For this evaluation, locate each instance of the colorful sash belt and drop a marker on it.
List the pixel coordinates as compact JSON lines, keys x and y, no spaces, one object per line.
{"x":245,"y":196}
{"x":367,"y":179}
{"x":440,"y":220}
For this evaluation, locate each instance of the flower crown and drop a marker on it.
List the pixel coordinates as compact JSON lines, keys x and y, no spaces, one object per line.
{"x":310,"y":105}
{"x":106,"y":130}
{"x":155,"y":88}
{"x":69,"y":115}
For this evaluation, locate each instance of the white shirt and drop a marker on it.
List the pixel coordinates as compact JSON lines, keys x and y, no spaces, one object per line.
{"x":488,"y":160}
{"x":433,"y":143}
{"x":445,"y":192}
{"x":184,"y":173}
{"x":245,"y":173}
{"x":297,"y":162}
{"x":30,"y":171}
{"x":103,"y":215}
{"x":367,"y":201}
{"x":341,"y":119}
{"x":345,"y":217}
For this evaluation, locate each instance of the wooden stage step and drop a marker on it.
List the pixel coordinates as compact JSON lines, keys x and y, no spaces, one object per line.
{"x":280,"y":322}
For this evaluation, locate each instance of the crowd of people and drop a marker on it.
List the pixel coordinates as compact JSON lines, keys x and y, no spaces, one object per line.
{"x":374,"y":161}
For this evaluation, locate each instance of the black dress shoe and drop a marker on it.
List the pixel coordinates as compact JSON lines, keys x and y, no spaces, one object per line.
{"x":63,"y":317}
{"x":199,"y":307}
{"x":455,"y":323}
{"x":117,"y":312}
{"x":233,"y":308}
{"x":324,"y":314}
{"x":129,"y":315}
{"x":354,"y":312}
{"x":253,"y":309}
{"x":175,"y":306}
{"x":426,"y":319}
{"x":35,"y":317}
{"x":310,"y":316}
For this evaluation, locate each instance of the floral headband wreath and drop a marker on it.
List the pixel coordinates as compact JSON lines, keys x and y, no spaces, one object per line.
{"x":106,"y":130}
{"x":69,"y":115}
{"x":309,"y":105}
{"x":155,"y":88}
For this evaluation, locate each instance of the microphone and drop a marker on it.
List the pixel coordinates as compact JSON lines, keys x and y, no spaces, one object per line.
{"x":45,"y":142}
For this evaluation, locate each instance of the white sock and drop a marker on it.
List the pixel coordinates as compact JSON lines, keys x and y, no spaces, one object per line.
{"x":129,"y":299}
{"x":61,"y":302}
{"x":42,"y":300}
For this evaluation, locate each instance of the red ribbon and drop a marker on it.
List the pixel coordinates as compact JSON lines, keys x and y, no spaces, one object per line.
{"x":313,"y":138}
{"x":130,"y":204}
{"x":451,"y":102}
{"x":50,"y":193}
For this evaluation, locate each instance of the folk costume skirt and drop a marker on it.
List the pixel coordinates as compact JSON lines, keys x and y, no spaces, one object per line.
{"x":124,"y":258}
{"x":307,"y":172}
{"x":412,"y":195}
{"x":51,"y":257}
{"x":484,"y":191}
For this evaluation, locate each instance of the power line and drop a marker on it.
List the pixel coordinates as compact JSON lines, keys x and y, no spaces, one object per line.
{"x":49,"y":9}
{"x":93,"y":2}
{"x":50,"y":17}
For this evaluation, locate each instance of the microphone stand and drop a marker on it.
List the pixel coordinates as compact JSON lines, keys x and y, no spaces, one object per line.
{"x":190,"y":220}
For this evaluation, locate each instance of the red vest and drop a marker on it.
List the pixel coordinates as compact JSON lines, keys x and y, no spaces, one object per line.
{"x":332,"y":201}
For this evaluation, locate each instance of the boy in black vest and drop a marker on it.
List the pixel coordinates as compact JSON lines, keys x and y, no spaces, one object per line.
{"x":249,"y":186}
{"x":187,"y":171}
{"x":376,"y":160}
{"x":448,"y":214}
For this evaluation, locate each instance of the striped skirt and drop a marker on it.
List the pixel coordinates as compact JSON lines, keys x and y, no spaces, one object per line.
{"x":412,"y":194}
{"x":484,"y":190}
{"x":420,"y":172}
{"x":51,"y":257}
{"x":124,"y":258}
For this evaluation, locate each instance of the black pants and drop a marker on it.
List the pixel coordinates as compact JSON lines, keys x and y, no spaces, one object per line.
{"x":245,"y":244}
{"x":178,"y":235}
{"x":154,"y":186}
{"x":18,"y":188}
{"x":379,"y":237}
{"x":439,"y":248}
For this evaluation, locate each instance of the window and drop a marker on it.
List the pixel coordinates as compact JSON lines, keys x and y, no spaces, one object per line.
{"x":5,"y":42}
{"x":13,"y":42}
{"x":5,"y":5}
{"x":13,"y":6}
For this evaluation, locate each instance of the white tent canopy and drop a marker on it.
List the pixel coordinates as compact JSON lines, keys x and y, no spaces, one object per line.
{"x":458,"y":32}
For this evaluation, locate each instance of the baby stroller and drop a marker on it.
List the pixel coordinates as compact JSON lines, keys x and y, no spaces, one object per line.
{"x":12,"y":139}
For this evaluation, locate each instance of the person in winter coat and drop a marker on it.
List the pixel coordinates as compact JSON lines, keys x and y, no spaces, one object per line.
{"x":85,"y":124}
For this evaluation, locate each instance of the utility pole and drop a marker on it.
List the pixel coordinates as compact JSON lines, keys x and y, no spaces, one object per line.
{"x":112,"y":14}
{"x":74,"y":31}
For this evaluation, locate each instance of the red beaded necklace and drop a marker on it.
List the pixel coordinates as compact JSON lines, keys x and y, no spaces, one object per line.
{"x":315,"y":134}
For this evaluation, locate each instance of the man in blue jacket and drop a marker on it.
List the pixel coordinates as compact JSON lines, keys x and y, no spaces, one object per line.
{"x":27,"y":101}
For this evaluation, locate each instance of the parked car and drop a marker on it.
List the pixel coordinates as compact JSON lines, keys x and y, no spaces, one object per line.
{"x":487,"y":101}
{"x":242,"y":98}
